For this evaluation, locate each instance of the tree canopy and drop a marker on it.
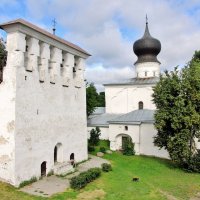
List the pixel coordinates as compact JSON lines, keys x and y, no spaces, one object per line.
{"x":177,"y":118}
{"x":93,"y":98}
{"x":3,"y":57}
{"x":101,"y":99}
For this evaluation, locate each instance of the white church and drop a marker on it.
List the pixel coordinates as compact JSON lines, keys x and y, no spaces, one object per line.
{"x":129,"y":108}
{"x":43,"y":121}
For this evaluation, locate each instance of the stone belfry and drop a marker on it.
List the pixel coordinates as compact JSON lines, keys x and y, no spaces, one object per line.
{"x":43,"y":104}
{"x":147,"y":48}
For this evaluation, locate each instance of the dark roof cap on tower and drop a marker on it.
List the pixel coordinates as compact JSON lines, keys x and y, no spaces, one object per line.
{"x":147,"y":48}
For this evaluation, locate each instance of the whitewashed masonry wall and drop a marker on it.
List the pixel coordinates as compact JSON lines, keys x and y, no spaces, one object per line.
{"x":42,"y":103}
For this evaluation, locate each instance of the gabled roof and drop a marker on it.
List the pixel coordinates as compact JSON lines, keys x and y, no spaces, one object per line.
{"x":136,"y":81}
{"x":99,"y":110}
{"x":136,"y":116}
{"x":101,"y":120}
{"x":44,"y":32}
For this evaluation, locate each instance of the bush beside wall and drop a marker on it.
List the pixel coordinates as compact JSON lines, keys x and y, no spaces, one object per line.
{"x":84,"y":178}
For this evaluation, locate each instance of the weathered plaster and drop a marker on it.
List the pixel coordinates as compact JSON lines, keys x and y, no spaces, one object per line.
{"x":11,"y":126}
{"x":3,"y":140}
{"x":38,"y":111}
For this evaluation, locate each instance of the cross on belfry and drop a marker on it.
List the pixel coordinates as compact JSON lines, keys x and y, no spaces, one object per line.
{"x":54,"y":26}
{"x":146,"y":19}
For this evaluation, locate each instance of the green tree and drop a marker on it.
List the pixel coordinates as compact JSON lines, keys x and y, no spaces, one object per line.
{"x":3,"y":57}
{"x":94,"y":137}
{"x":177,"y":118}
{"x":91,"y":98}
{"x":101,"y":99}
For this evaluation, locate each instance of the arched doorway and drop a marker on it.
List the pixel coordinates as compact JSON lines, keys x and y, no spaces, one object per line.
{"x":43,"y":168}
{"x":55,"y":154}
{"x":72,"y":160}
{"x":58,"y":153}
{"x":72,"y":156}
{"x":125,"y":139}
{"x":121,"y":141}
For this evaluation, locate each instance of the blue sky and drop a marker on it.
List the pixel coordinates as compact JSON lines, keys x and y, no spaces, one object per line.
{"x":107,"y":29}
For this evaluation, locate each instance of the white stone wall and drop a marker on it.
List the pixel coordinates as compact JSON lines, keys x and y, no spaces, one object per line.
{"x":7,"y":123}
{"x":147,"y":69}
{"x":147,"y":132}
{"x":124,"y":99}
{"x":116,"y":131}
{"x":43,"y":103}
{"x":104,"y":132}
{"x":141,"y":134}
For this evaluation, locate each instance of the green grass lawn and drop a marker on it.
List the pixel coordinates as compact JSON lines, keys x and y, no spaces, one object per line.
{"x":158,"y":180}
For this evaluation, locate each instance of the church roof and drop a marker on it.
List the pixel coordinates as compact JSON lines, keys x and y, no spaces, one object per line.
{"x":99,"y":110}
{"x":134,"y":117}
{"x":101,"y":120}
{"x":136,"y":81}
{"x":44,"y":32}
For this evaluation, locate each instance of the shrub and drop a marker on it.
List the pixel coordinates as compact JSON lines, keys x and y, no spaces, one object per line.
{"x":95,"y":172}
{"x":102,"y":149}
{"x":129,"y":148}
{"x":78,"y":182}
{"x":194,"y":164}
{"x":106,"y":167}
{"x":83,"y":178}
{"x":94,"y":136}
{"x":91,"y":149}
{"x":27,"y":182}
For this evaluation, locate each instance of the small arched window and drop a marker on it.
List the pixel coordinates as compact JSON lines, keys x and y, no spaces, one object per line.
{"x":140,"y":105}
{"x":145,"y":73}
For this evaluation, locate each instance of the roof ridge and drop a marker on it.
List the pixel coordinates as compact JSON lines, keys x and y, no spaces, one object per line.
{"x":44,"y":32}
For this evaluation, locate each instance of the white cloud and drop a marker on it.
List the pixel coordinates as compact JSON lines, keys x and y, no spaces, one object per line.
{"x":101,"y":27}
{"x":99,"y":74}
{"x":107,"y":47}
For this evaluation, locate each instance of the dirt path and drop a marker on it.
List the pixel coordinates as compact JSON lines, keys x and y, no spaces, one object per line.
{"x":169,"y":196}
{"x":54,"y":184}
{"x":196,"y":197}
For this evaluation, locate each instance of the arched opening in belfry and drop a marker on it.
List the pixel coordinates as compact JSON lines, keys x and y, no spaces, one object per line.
{"x":58,"y":153}
{"x":43,"y":168}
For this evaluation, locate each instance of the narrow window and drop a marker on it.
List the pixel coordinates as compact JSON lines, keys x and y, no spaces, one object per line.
{"x":126,"y":128}
{"x":145,"y":73}
{"x":140,"y":105}
{"x":154,"y":73}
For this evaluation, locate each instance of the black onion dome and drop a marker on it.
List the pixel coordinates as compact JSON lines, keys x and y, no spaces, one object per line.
{"x":147,"y":48}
